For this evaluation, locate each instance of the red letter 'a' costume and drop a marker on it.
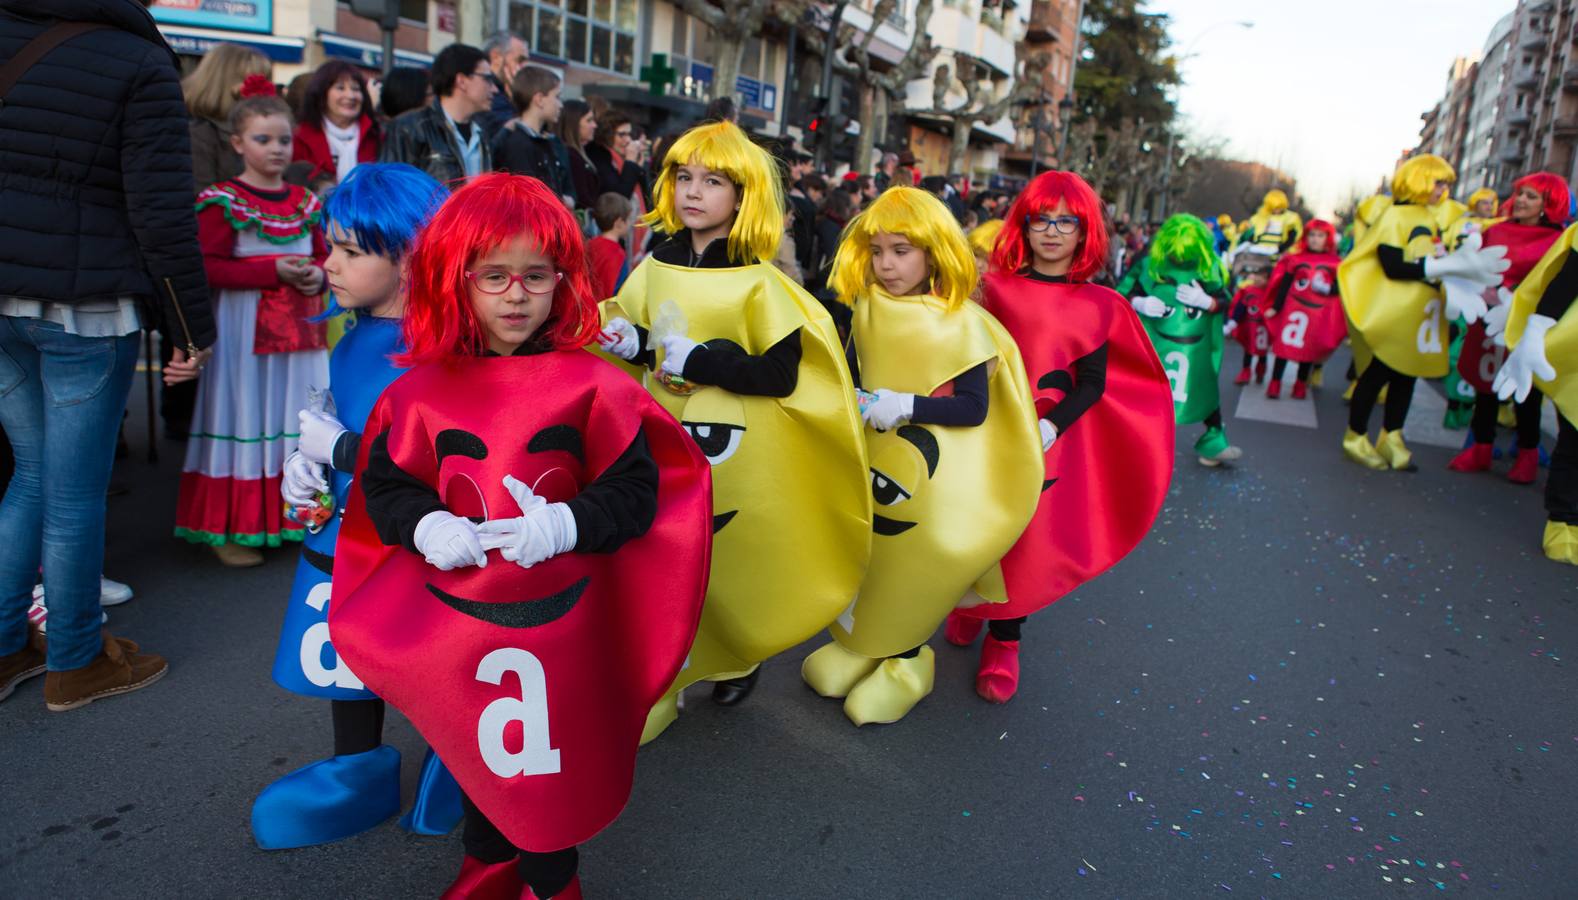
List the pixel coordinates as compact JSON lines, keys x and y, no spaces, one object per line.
{"x":1106,"y":478}
{"x":1309,"y":324}
{"x":531,"y":684}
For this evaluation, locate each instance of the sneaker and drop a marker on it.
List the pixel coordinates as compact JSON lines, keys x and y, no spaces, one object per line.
{"x":120,"y":668}
{"x":111,"y":593}
{"x":38,"y":614}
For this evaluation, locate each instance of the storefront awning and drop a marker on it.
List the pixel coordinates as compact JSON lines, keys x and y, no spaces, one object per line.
{"x":198,"y":41}
{"x":367,"y":55}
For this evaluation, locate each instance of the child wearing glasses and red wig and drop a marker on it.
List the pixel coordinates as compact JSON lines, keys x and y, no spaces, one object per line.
{"x":515,"y":501}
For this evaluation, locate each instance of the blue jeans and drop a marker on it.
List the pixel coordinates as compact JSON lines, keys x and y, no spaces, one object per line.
{"x":61,"y":399}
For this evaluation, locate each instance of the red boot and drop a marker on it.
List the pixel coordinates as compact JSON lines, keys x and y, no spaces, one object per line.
{"x":998,"y":677}
{"x":1243,"y":376}
{"x":962,"y":630}
{"x":1260,"y":371}
{"x":1474,"y":458}
{"x":1300,"y":390}
{"x":486,"y":881}
{"x":572,"y":891}
{"x":1526,"y":467}
{"x":1274,"y":390}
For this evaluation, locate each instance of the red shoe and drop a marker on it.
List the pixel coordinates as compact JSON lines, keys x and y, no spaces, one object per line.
{"x":1260,"y":371}
{"x":486,"y":881}
{"x":1274,"y":390}
{"x":1525,"y":468}
{"x":962,"y":630}
{"x":1300,"y":390}
{"x":998,"y":677}
{"x":1474,"y":458}
{"x":1243,"y":376}
{"x":572,"y":891}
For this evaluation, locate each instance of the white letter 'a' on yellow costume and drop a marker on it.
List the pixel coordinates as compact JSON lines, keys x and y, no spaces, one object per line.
{"x":791,"y":503}
{"x":951,"y":500}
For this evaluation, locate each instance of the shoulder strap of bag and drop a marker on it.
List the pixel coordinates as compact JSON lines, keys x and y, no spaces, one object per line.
{"x":35,"y":49}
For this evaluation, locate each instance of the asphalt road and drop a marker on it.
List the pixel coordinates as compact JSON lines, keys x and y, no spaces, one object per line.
{"x":1311,"y":680}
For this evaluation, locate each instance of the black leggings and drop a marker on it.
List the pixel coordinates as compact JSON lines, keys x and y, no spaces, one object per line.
{"x":1486,"y":408}
{"x":1281,"y":366}
{"x":358,"y":725}
{"x":1249,"y":358}
{"x":546,"y":873}
{"x":1375,"y":376}
{"x":1561,"y":483}
{"x":1005,"y":629}
{"x":1214,"y":420}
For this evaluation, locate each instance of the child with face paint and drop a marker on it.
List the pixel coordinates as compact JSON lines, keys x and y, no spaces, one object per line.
{"x":752,"y":367}
{"x":953,"y":443}
{"x":1180,"y":291}
{"x":515,"y":499}
{"x":371,"y":221}
{"x":1303,"y":311}
{"x":1538,"y":210}
{"x":1399,"y":297}
{"x":1104,"y":411}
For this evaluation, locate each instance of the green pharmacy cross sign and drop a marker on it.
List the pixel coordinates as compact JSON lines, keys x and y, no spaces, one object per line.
{"x":659,"y":75}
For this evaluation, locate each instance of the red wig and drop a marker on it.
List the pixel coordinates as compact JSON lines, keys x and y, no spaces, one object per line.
{"x":1041,"y":198}
{"x":489,"y":211}
{"x":1552,"y":188}
{"x":1325,"y":228}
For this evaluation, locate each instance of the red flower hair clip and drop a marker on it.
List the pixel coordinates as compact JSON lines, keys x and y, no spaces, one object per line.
{"x":258,"y":86}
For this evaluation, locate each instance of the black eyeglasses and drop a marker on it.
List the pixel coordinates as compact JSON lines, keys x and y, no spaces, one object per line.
{"x":1064,"y":224}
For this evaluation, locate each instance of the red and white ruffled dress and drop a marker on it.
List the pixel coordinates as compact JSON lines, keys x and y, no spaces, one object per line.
{"x":265,"y":360}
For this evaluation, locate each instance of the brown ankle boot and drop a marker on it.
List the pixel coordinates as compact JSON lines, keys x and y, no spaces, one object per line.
{"x":18,"y":667}
{"x":118,"y":669}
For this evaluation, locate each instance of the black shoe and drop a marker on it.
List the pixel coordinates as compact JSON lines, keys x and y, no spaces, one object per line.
{"x":732,"y":691}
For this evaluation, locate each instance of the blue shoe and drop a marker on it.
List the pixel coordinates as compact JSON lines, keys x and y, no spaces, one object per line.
{"x":436,"y":810}
{"x":329,"y":800}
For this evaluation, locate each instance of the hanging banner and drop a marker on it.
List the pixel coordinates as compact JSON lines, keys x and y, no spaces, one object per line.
{"x":231,"y":15}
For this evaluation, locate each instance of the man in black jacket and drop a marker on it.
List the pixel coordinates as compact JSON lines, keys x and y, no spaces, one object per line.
{"x":507,"y":52}
{"x":446,"y":140}
{"x":98,"y":238}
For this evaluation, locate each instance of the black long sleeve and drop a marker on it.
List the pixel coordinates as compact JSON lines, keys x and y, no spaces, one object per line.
{"x":396,"y":500}
{"x":1560,"y":292}
{"x":1280,"y":295}
{"x":967,"y":407}
{"x":1090,"y":383}
{"x":346,"y":450}
{"x":723,"y":364}
{"x":1395,"y":267}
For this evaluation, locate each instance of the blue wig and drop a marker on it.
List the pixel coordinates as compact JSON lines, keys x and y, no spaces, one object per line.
{"x":382,"y":207}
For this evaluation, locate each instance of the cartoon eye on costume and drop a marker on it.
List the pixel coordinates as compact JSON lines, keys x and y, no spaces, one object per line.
{"x":1301,"y":278}
{"x":1193,"y":313}
{"x":558,"y":483}
{"x":886,"y":491}
{"x":716,"y":440}
{"x":557,"y":437}
{"x":460,"y":491}
{"x":906,"y":456}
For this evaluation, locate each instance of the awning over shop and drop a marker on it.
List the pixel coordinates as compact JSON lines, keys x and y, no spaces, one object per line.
{"x":198,"y":41}
{"x":367,"y":55}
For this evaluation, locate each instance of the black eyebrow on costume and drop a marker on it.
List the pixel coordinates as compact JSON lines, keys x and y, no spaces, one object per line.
{"x":558,"y":437}
{"x":925,"y":442}
{"x":455,"y":442}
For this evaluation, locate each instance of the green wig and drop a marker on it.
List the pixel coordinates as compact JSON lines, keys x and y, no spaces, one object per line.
{"x":1185,"y":242}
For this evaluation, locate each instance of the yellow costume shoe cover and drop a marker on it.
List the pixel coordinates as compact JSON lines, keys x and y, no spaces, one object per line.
{"x":889,"y":693}
{"x":1357,"y":448}
{"x":832,"y":671}
{"x":1561,"y":542}
{"x":661,"y":717}
{"x":1391,"y":448}
{"x":792,"y":509}
{"x":1561,"y":342}
{"x":1402,"y":322}
{"x":951,"y":501}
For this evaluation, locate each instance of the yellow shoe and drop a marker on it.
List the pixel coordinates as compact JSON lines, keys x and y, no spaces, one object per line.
{"x":660,"y":718}
{"x":1357,"y":447}
{"x":1380,"y":399}
{"x":833,"y":671}
{"x":1561,"y":542}
{"x":1347,"y":396}
{"x":1506,"y":417}
{"x":1317,"y":376}
{"x":1395,"y":452}
{"x":888,"y":694}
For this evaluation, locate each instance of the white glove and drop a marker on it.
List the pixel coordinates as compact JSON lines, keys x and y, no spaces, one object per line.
{"x":676,"y":349}
{"x":1152,"y":307}
{"x":1229,"y":327}
{"x":620,"y":338}
{"x":319,"y":432}
{"x":889,"y":409}
{"x":301,"y":481}
{"x":1526,"y":361}
{"x":1048,"y":434}
{"x":448,"y":541}
{"x":1463,"y":298}
{"x":1471,"y":261}
{"x":1496,"y":321}
{"x":1192,"y":294}
{"x":544,"y":530}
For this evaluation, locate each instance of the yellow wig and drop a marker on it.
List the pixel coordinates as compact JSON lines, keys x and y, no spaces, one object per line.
{"x":1417,"y":177}
{"x":724,"y":148}
{"x":1274,"y":202}
{"x":928,"y":224}
{"x":1483,"y":194}
{"x":984,"y":237}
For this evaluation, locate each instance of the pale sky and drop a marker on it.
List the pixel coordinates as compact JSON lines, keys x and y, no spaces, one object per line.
{"x":1328,"y":90}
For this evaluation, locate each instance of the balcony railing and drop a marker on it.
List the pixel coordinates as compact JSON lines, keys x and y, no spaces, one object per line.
{"x":1565,"y":126}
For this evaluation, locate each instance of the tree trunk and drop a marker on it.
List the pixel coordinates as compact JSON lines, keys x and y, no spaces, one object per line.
{"x":881,"y":115}
{"x":961,"y":144}
{"x":868,"y":127}
{"x":730,"y":49}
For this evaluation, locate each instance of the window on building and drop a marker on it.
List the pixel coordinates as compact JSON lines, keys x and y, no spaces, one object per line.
{"x":596,"y":33}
